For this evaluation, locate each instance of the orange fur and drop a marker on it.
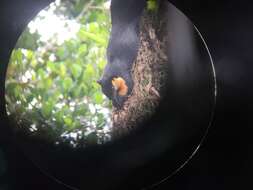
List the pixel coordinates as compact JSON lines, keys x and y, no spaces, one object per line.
{"x":120,"y":85}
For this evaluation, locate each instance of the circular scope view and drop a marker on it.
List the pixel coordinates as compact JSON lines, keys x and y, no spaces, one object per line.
{"x":99,"y":90}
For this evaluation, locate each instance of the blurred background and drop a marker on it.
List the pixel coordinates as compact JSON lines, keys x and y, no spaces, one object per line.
{"x":50,"y":89}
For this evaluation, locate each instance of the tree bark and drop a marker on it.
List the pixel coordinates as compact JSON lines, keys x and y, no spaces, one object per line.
{"x":149,"y":73}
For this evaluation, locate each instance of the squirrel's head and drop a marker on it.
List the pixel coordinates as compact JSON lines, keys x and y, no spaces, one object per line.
{"x":117,"y":89}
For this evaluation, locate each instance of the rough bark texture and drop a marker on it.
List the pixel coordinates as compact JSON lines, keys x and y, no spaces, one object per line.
{"x":149,"y":73}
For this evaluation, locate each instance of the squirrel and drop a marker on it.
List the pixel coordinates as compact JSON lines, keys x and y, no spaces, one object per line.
{"x":116,"y":81}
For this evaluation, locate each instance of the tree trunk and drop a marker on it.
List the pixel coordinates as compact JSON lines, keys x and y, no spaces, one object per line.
{"x":149,"y":72}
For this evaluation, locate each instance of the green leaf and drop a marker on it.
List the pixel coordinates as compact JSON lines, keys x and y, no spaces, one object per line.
{"x":29,"y":97}
{"x":47,"y":83}
{"x":79,"y":5}
{"x":93,"y":27}
{"x":89,"y":70}
{"x":71,"y":45}
{"x":19,"y":56}
{"x":62,"y":70}
{"x":56,"y":95}
{"x":33,"y":76}
{"x":101,"y":18}
{"x":34,"y":63}
{"x":61,"y":53}
{"x":101,"y":64}
{"x":84,"y":90}
{"x":98,"y":98}
{"x":83,"y":35}
{"x":17,"y":91}
{"x":82,"y":49}
{"x":68,"y":121}
{"x":95,"y":85}
{"x":81,"y":109}
{"x":47,"y":108}
{"x":29,"y":54}
{"x":76,"y":70}
{"x":152,"y":5}
{"x":67,"y":84}
{"x":28,"y":40}
{"x":51,"y":65}
{"x":76,"y":92}
{"x":59,"y":116}
{"x":41,"y":73}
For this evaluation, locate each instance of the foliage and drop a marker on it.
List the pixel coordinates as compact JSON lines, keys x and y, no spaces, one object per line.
{"x":152,"y":5}
{"x":51,"y":86}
